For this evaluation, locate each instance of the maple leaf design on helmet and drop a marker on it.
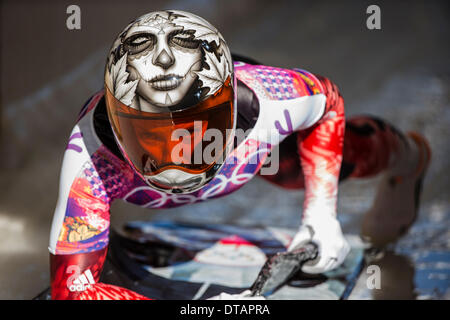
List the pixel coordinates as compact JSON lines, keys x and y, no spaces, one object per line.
{"x":217,"y":74}
{"x":116,"y":80}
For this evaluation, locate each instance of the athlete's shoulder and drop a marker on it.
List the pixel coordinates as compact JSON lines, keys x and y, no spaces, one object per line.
{"x":90,"y":104}
{"x":94,"y":127}
{"x":275,"y":83}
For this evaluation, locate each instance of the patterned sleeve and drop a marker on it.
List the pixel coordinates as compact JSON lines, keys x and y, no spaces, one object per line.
{"x":320,"y":148}
{"x":81,"y":219}
{"x":91,"y":178}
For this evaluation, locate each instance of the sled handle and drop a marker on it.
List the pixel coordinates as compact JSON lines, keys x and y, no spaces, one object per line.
{"x":281,"y":267}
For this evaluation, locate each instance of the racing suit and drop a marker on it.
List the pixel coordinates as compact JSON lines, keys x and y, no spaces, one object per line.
{"x":293,"y":111}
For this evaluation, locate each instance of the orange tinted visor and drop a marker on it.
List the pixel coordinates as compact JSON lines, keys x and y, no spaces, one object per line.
{"x":147,"y":140}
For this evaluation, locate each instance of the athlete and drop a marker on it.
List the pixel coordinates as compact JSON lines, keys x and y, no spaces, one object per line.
{"x":180,"y":121}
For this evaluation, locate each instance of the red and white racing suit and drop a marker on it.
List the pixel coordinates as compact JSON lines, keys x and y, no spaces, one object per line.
{"x":301,"y":113}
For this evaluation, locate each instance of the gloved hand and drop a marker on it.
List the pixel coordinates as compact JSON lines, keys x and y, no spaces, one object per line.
{"x":245,"y":295}
{"x":325,"y":231}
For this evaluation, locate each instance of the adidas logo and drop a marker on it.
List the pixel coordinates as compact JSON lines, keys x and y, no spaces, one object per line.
{"x":82,"y":282}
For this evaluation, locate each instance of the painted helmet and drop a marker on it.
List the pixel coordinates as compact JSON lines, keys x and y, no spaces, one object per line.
{"x":171,"y":100}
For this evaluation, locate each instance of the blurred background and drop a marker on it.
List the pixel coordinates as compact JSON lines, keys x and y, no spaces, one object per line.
{"x":400,"y":73}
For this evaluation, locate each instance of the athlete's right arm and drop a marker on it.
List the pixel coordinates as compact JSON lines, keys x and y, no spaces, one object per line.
{"x":79,"y":234}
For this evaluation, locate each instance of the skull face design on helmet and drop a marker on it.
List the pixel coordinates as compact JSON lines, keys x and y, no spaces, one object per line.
{"x":167,"y":60}
{"x":169,"y":72}
{"x":163,"y":58}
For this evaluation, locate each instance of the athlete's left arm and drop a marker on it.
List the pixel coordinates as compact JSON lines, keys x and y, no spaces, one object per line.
{"x":320,"y":149}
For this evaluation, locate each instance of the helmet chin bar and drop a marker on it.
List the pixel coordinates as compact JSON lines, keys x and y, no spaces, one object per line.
{"x":174,"y":181}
